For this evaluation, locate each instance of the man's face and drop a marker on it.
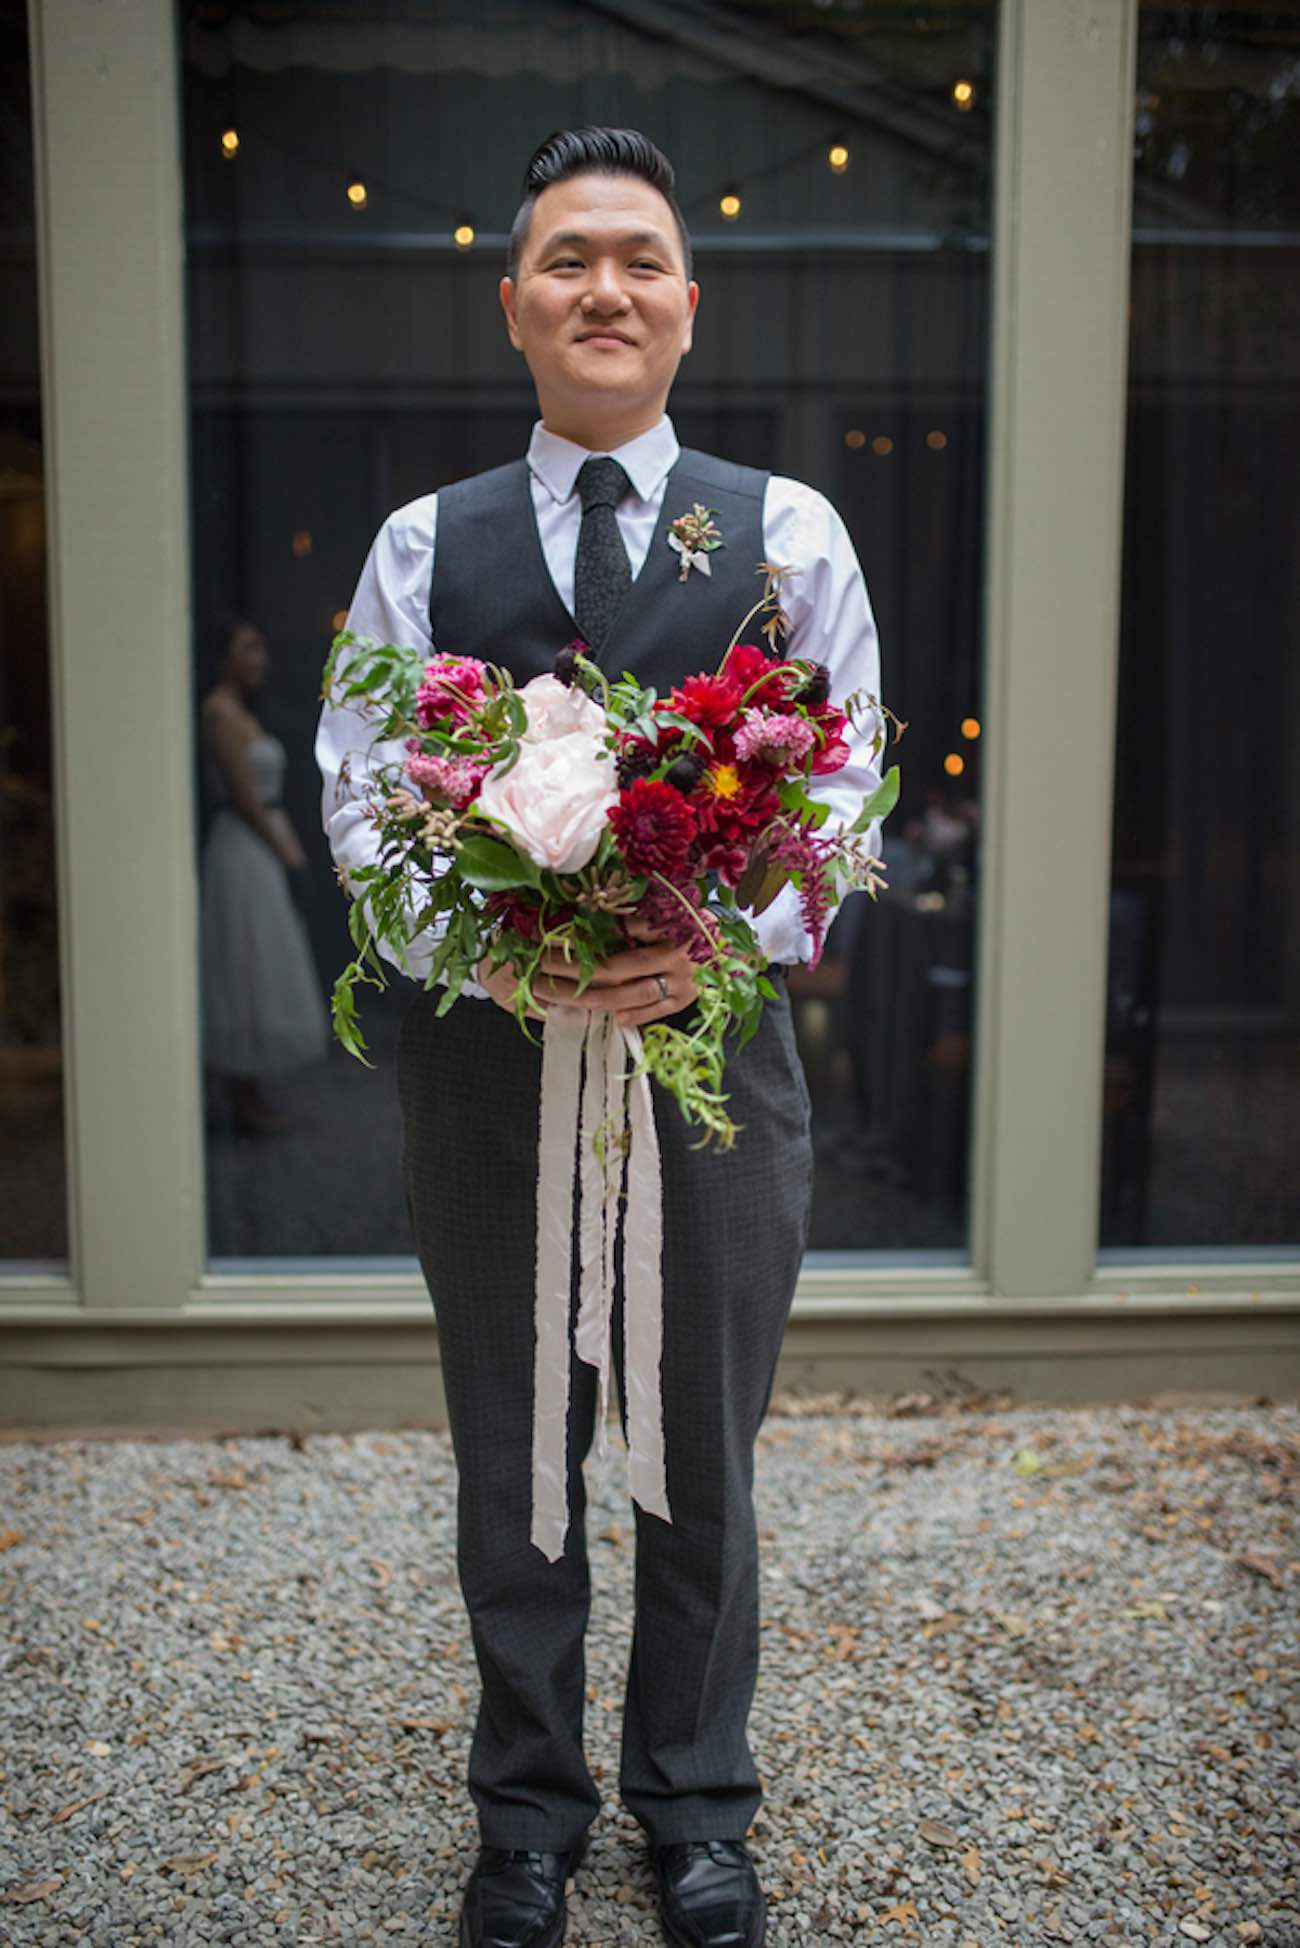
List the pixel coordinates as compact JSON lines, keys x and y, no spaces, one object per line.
{"x":601,"y":308}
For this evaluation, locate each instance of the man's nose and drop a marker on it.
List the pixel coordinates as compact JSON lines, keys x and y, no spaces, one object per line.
{"x":605,"y":285}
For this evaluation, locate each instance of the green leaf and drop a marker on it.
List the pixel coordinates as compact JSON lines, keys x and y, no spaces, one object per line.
{"x":492,"y":866}
{"x":881,"y":802}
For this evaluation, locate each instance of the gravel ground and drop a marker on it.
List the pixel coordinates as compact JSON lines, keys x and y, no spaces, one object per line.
{"x":1029,"y":1676}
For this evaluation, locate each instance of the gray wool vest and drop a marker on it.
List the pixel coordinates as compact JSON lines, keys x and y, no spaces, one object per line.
{"x":492,"y":595}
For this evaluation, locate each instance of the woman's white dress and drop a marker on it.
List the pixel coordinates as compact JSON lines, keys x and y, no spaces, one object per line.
{"x":264,"y":1009}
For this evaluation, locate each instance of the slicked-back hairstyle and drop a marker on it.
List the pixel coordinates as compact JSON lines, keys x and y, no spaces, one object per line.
{"x":607,"y":152}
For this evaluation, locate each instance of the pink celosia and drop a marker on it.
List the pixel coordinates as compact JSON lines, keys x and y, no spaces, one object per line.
{"x":778,"y":737}
{"x":453,"y":688}
{"x":454,"y":779}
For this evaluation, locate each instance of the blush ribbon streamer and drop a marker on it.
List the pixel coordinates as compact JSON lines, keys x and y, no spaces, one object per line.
{"x":567,"y":1100}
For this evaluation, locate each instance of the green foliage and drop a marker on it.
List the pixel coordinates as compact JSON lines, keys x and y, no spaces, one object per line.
{"x":881,"y":802}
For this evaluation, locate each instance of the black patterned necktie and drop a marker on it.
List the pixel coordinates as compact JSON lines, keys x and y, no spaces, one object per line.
{"x":602,"y":573}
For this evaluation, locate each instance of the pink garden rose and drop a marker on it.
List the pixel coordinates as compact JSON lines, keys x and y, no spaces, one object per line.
{"x":555,"y":709}
{"x":554,"y":798}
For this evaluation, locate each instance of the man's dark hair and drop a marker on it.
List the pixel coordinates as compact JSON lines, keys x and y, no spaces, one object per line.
{"x":607,"y":152}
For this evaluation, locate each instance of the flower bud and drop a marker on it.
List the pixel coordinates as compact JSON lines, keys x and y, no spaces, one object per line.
{"x":685,"y":772}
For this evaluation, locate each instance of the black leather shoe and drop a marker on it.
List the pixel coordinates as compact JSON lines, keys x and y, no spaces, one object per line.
{"x":709,"y":1896}
{"x":515,"y":1897}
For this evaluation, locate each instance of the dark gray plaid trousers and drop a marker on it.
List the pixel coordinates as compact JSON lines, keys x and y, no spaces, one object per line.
{"x":735,"y":1229}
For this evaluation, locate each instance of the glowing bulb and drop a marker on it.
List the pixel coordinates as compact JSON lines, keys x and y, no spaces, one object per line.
{"x":340,"y":620}
{"x":882,"y":444}
{"x":970,"y":727}
{"x":302,"y":542}
{"x":463,"y":236}
{"x":838,"y":157}
{"x":954,"y":764}
{"x":357,"y":195}
{"x":963,"y":94}
{"x":855,"y":437}
{"x":229,"y":143}
{"x":730,"y":207}
{"x":936,"y":441}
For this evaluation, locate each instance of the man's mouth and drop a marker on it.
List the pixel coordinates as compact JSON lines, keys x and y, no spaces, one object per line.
{"x":618,"y":337}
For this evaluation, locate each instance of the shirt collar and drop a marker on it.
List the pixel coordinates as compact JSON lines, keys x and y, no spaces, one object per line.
{"x":648,"y":459}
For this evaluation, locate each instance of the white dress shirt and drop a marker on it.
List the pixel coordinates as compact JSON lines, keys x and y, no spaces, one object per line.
{"x":826,"y":600}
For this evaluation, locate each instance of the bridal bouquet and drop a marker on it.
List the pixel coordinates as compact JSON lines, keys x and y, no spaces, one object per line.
{"x":537,"y":818}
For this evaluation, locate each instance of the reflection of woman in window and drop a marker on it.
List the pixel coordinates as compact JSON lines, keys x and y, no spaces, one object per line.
{"x":263,"y":1012}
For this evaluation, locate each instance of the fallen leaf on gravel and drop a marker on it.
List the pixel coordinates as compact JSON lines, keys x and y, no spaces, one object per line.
{"x":9,"y":1538}
{"x":74,"y":1806}
{"x":938,"y":1833}
{"x":439,"y":1725}
{"x":970,"y":1861}
{"x":904,"y":1911}
{"x":187,"y":1863}
{"x":97,"y":1748}
{"x":130,"y":1867}
{"x":1156,"y":1611}
{"x":1015,"y":1626}
{"x":1026,"y":1462}
{"x":1262,"y":1566}
{"x":198,"y":1767}
{"x":383,"y":1574}
{"x":31,"y":1890}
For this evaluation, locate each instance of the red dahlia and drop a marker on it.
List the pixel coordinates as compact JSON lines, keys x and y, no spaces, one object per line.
{"x":744,"y":664}
{"x":654,"y":826}
{"x":706,"y":699}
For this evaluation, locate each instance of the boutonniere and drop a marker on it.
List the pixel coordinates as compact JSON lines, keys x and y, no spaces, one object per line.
{"x":695,"y":536}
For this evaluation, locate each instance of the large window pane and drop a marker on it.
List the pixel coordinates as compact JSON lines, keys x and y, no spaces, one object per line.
{"x":1202,"y":1097}
{"x":346,"y":356}
{"x":33,"y":1193}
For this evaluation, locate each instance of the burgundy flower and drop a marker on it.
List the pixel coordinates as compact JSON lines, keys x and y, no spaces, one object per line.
{"x":691,"y":926}
{"x":654,"y":826}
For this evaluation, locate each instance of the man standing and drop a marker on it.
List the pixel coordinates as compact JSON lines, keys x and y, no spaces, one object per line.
{"x":508,"y":566}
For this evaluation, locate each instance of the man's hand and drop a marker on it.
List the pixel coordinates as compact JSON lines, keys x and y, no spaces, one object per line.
{"x":624,"y":985}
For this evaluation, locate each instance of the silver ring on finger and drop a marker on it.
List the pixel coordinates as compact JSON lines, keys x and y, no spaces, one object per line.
{"x":663,"y":987}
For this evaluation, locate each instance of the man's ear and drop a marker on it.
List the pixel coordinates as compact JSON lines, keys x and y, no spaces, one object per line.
{"x":506,"y":291}
{"x":693,"y":298}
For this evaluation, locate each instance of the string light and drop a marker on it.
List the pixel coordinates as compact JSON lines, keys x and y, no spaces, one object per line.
{"x":970,"y":727}
{"x":356,"y":193}
{"x":730,"y":206}
{"x":963,"y":94}
{"x":936,"y":441}
{"x":463,"y":235}
{"x":855,"y":437}
{"x":838,"y":157}
{"x":954,"y":764}
{"x":302,"y":543}
{"x":340,"y":620}
{"x":230,"y":144}
{"x":882,"y":444}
